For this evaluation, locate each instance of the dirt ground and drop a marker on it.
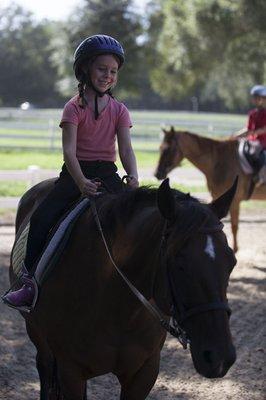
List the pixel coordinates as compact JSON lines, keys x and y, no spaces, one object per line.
{"x":177,"y":379}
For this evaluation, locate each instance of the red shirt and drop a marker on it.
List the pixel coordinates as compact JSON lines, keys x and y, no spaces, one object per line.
{"x":257,"y":120}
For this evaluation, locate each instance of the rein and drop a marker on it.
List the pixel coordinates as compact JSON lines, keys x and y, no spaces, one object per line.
{"x":175,"y":330}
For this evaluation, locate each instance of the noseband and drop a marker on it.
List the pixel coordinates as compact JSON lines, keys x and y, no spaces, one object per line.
{"x":175,"y":329}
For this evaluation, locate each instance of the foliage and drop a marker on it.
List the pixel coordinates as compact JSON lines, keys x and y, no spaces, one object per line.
{"x":211,"y":49}
{"x":27,"y":72}
{"x":115,"y":18}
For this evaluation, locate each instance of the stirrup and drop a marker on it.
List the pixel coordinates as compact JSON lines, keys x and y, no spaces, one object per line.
{"x":29,"y":308}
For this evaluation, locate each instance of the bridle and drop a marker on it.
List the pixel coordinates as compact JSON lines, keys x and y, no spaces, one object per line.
{"x":179,"y":308}
{"x":175,"y":327}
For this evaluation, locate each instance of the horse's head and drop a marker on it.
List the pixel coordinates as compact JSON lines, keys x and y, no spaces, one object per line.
{"x":199,"y":262}
{"x":170,"y":154}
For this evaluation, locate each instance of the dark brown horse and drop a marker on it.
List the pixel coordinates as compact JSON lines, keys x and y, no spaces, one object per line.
{"x":217,"y":159}
{"x":87,"y":322}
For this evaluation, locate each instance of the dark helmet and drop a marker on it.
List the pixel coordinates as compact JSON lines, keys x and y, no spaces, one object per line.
{"x":258,"y":90}
{"x":94,"y":46}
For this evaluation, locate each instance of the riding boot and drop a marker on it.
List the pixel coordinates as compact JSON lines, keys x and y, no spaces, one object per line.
{"x":23,"y":296}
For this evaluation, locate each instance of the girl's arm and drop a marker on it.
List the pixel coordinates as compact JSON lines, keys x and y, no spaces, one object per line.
{"x":69,"y":143}
{"x":260,"y":131}
{"x":127,"y":156}
{"x":241,"y":133}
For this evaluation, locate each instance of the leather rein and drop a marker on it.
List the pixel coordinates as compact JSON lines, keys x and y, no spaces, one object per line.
{"x":174,"y":327}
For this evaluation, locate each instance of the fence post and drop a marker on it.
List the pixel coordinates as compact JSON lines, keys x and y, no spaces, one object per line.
{"x":34,"y":175}
{"x":52,"y":133}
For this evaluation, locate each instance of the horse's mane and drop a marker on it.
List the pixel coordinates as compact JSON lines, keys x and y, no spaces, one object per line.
{"x":121,"y":207}
{"x":210,"y":142}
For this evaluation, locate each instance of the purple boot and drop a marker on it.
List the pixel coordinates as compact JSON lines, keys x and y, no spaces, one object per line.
{"x":23,"y":298}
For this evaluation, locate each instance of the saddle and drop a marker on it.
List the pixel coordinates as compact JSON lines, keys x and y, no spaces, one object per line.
{"x":56,"y":243}
{"x":252,"y":157}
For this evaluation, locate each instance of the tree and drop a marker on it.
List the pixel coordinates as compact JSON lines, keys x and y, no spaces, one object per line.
{"x":115,"y":18}
{"x":27,"y":70}
{"x":212,"y":49}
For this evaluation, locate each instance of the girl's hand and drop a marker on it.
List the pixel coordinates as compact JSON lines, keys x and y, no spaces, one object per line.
{"x":89,"y":187}
{"x":132,"y":181}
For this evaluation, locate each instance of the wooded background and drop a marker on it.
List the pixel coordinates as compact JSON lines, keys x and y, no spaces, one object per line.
{"x":182,"y":55}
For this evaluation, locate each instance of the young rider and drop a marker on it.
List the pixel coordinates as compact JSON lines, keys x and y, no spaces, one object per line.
{"x":91,"y":122}
{"x":256,"y":125}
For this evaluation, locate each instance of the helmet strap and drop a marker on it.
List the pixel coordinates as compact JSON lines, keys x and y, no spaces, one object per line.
{"x":96,"y":106}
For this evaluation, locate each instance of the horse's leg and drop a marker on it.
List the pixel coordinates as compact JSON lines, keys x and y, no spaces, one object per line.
{"x":44,"y":363}
{"x":234,"y":214}
{"x":72,"y":385}
{"x":139,"y":385}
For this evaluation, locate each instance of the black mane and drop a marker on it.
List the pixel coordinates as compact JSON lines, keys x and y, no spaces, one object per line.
{"x":122,"y":206}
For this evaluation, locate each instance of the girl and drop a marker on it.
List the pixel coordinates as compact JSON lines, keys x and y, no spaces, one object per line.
{"x":91,"y":122}
{"x":255,"y":132}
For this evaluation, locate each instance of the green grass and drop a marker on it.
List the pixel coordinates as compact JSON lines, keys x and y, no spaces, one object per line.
{"x":17,"y":188}
{"x":12,"y":188}
{"x":15,"y":160}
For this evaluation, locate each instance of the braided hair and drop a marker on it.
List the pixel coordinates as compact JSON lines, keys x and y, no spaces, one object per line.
{"x":82,"y":99}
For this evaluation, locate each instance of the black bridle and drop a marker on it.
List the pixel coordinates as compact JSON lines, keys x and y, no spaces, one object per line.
{"x":175,"y":327}
{"x":181,"y":313}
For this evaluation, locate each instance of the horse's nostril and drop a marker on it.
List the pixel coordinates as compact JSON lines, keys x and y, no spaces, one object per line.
{"x":207,"y":354}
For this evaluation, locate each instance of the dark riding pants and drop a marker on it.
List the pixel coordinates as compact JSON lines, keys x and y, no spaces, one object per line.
{"x":64,"y":194}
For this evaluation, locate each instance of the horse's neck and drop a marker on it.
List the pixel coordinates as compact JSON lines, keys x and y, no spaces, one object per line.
{"x":142,"y":258}
{"x":199,"y":151}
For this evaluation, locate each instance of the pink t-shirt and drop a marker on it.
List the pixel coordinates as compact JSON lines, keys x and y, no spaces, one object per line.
{"x":96,"y":138}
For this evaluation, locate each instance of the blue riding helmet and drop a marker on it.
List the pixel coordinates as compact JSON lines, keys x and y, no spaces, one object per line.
{"x":258,"y":90}
{"x":94,"y":46}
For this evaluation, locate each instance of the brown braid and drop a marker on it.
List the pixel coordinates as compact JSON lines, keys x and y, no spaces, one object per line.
{"x":82,"y":100}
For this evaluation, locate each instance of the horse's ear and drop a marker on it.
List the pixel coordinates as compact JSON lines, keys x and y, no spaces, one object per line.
{"x":221,"y":205}
{"x":166,"y":200}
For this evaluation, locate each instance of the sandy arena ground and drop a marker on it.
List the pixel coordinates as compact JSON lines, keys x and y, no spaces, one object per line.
{"x":177,"y":379}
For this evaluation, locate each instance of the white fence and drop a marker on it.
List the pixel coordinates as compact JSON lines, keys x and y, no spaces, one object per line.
{"x":38,"y":129}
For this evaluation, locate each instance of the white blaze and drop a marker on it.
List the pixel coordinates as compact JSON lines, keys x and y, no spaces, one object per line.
{"x":209,"y":249}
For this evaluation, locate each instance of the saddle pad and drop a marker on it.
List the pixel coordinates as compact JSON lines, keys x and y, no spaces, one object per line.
{"x":246,"y":167}
{"x":19,"y":251}
{"x":54,"y":247}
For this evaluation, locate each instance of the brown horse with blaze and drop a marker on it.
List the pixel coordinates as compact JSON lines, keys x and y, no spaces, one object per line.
{"x":216,"y":159}
{"x":88,"y":323}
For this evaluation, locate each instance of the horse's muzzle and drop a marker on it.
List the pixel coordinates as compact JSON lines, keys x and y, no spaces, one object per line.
{"x":160,"y":175}
{"x":211,"y":363}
